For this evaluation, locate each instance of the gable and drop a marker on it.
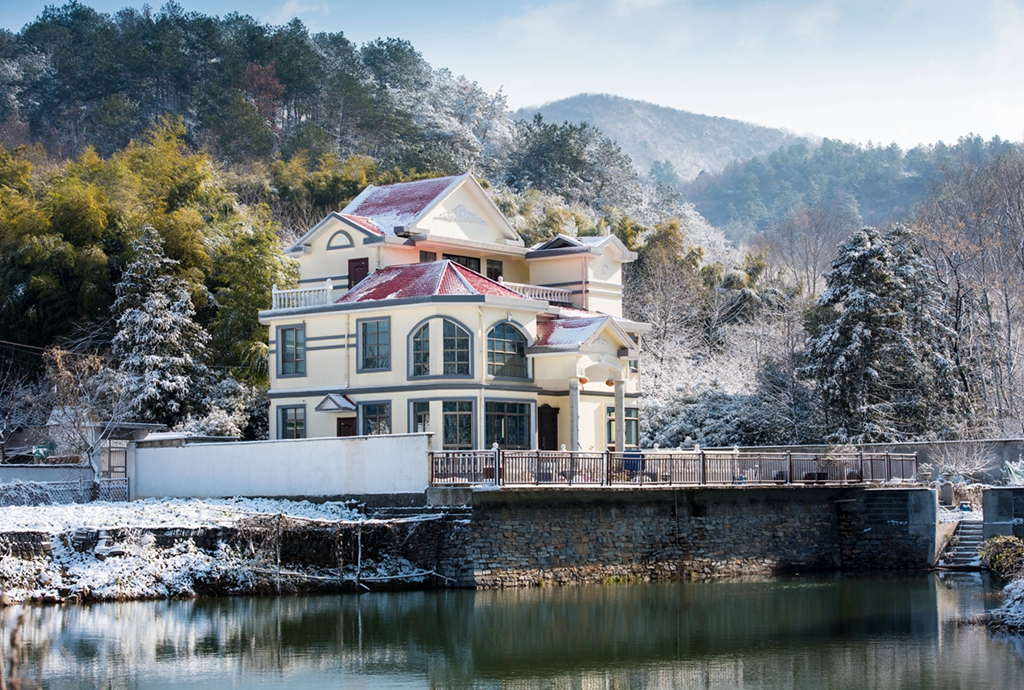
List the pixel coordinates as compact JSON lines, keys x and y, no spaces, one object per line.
{"x":467,"y":214}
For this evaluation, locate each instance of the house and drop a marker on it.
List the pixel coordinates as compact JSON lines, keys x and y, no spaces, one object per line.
{"x":420,"y":309}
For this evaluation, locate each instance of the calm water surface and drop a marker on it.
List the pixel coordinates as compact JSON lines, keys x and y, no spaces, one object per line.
{"x":802,"y":632}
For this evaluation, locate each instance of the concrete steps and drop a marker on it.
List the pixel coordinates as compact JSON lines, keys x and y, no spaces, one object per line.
{"x":964,"y":553}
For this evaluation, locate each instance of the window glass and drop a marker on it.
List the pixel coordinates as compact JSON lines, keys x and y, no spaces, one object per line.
{"x":470,"y":262}
{"x":632,"y":428}
{"x":494,"y":269}
{"x":293,"y":351}
{"x":507,"y":424}
{"x":293,"y":422}
{"x":420,"y":417}
{"x":376,"y":344}
{"x":421,"y":352}
{"x":458,"y":424}
{"x":506,"y":352}
{"x":456,"y":350}
{"x":376,"y":419}
{"x":427,"y":257}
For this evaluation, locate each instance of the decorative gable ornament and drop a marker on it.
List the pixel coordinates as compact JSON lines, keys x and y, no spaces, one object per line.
{"x":461,"y":214}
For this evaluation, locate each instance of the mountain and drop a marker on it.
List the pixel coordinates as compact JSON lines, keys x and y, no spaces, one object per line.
{"x":648,"y":132}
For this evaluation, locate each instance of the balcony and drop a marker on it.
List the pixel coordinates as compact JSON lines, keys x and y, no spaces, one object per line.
{"x":303,"y":297}
{"x":541,"y":292}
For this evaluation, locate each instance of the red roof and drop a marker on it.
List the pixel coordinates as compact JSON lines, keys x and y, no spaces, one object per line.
{"x":363,"y":222}
{"x":398,"y":204}
{"x":567,"y":333}
{"x":424,"y":280}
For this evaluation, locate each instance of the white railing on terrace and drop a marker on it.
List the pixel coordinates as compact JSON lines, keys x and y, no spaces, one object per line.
{"x":303,"y":297}
{"x":541,"y":292}
{"x":665,"y":468}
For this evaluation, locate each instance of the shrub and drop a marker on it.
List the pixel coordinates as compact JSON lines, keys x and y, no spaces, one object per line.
{"x":1004,"y":555}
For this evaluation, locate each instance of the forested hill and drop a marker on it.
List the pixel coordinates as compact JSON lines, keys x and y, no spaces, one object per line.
{"x":649,"y":133}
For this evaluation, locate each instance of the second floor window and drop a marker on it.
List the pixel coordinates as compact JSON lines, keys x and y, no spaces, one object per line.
{"x":506,"y":352}
{"x":375,"y":345}
{"x":421,"y":352}
{"x":470,"y":262}
{"x":292,"y":342}
{"x":456,"y":350}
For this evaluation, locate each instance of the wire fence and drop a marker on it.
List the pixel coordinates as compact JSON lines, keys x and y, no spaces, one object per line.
{"x":19,"y":493}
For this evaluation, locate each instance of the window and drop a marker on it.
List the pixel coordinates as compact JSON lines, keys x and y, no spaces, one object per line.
{"x":494,"y":269}
{"x":427,"y":257}
{"x":632,"y":430}
{"x":507,"y":424}
{"x":506,"y":352}
{"x":458,"y":424}
{"x":292,"y":353}
{"x":456,"y":350}
{"x":376,"y":419}
{"x":421,"y":352}
{"x":375,"y":345}
{"x":291,"y":422}
{"x":469,"y":262}
{"x":420,"y":417}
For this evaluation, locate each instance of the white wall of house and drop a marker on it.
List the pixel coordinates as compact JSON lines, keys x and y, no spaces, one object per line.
{"x":313,"y":467}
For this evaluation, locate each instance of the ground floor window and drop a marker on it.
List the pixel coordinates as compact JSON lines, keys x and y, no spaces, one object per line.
{"x":458,"y":424}
{"x":507,"y":424}
{"x":632,"y":435}
{"x":291,"y":422}
{"x":420,"y":417}
{"x":376,"y":419}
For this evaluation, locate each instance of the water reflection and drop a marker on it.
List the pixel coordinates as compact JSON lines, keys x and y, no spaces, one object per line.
{"x":837,"y":632}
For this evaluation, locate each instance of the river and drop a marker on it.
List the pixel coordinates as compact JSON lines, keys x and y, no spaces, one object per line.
{"x":813,"y":632}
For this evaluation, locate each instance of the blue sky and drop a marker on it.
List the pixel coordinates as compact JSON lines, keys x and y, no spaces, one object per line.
{"x":908,"y":71}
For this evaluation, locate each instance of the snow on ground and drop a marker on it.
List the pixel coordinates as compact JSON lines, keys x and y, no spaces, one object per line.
{"x":161,"y":512}
{"x":1011,"y":614}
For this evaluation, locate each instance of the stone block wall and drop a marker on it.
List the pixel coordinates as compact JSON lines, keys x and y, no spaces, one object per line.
{"x":526,"y":537}
{"x":1004,"y":511}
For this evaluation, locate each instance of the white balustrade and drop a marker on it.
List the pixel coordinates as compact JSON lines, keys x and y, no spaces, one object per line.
{"x":303,"y":297}
{"x":540,"y":292}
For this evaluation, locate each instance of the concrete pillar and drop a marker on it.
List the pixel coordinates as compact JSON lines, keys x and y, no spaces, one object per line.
{"x":574,"y":414}
{"x":620,"y":416}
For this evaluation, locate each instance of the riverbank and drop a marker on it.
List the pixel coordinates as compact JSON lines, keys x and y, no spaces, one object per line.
{"x":163,"y":549}
{"x":1010,"y":616}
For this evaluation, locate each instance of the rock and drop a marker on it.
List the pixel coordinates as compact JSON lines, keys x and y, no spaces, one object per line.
{"x":5,"y":600}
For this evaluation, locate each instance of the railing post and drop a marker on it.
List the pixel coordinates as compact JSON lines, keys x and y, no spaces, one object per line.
{"x":497,"y":461}
{"x":915,"y":463}
{"x":703,"y":467}
{"x":789,"y":462}
{"x":888,"y":467}
{"x":605,"y":464}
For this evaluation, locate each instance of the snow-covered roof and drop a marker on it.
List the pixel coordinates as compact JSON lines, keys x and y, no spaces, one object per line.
{"x":363,"y":222}
{"x":563,"y":244}
{"x":400,"y":204}
{"x":577,"y":333}
{"x":335,"y":402}
{"x":425,"y":280}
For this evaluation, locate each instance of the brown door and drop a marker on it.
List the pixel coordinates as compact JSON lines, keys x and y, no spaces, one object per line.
{"x":346,"y":426}
{"x":357,"y":270}
{"x":547,"y":427}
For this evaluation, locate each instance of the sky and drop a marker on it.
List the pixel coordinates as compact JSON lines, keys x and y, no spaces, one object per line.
{"x":903,"y":71}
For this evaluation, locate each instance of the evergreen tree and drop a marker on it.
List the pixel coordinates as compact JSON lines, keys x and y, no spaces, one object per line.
{"x":159,"y":348}
{"x":877,"y":342}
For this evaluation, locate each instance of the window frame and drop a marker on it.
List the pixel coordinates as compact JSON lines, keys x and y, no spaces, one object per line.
{"x":413,"y":353}
{"x":492,"y":367}
{"x":530,"y":418}
{"x":363,"y":417}
{"x":281,"y":412}
{"x":468,"y":349}
{"x":631,"y":421}
{"x":360,"y":337}
{"x":464,"y":261}
{"x":495,"y":269}
{"x":471,"y":445}
{"x":413,"y":413}
{"x":279,"y":347}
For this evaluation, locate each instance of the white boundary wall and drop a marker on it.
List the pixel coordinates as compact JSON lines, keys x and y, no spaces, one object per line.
{"x":311,"y":467}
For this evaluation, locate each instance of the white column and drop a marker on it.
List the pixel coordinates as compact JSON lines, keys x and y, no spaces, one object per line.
{"x":620,"y":416}
{"x":574,"y":414}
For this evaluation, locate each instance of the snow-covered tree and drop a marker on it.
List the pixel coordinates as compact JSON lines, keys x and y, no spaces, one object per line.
{"x":159,"y":348}
{"x":877,"y":346}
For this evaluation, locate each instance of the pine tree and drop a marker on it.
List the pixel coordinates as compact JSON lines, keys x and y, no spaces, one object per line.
{"x":877,"y":342}
{"x":159,"y":348}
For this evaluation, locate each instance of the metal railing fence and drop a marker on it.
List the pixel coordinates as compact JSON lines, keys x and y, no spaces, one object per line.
{"x":664,"y":468}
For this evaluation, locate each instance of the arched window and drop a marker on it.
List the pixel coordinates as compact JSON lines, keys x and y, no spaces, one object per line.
{"x":506,"y":352}
{"x":421,"y":351}
{"x":456,"y":350}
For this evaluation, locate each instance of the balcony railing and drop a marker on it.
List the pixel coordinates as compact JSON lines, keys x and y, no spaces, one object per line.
{"x":303,"y":297}
{"x":664,"y":468}
{"x":541,"y":292}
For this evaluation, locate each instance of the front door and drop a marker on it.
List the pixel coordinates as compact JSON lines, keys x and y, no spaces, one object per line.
{"x":547,"y":427}
{"x":346,"y":426}
{"x":357,"y":270}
